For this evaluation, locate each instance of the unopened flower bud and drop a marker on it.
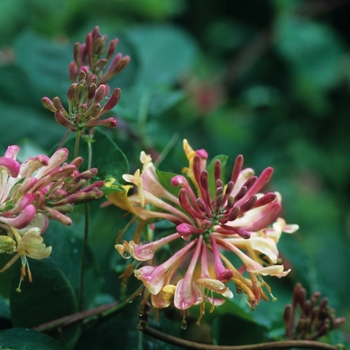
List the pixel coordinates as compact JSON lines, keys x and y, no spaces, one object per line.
{"x":100,"y":93}
{"x":58,"y":104}
{"x":112,"y":101}
{"x":63,"y":120}
{"x":108,"y":123}
{"x":82,"y":73}
{"x":101,"y":63}
{"x":72,"y":93}
{"x":91,"y":91}
{"x":76,"y":54}
{"x":111,"y":48}
{"x":73,"y":70}
{"x":89,"y":52}
{"x":47,"y":103}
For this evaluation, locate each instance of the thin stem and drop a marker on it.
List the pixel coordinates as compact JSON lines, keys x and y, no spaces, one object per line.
{"x":82,"y":259}
{"x":64,"y":139}
{"x":86,"y":235}
{"x":186,"y":344}
{"x":67,"y":321}
{"x":77,"y":141}
{"x":167,"y":149}
{"x":89,"y":142}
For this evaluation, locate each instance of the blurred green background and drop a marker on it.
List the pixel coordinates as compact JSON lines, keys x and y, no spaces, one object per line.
{"x":269,"y":79}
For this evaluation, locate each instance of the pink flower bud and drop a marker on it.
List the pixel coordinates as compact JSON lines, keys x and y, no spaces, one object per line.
{"x":77,"y":56}
{"x":63,"y":120}
{"x":91,"y":91}
{"x":89,"y":49}
{"x":47,"y":103}
{"x":100,"y":93}
{"x":73,"y":70}
{"x":112,"y":101}
{"x":111,"y":48}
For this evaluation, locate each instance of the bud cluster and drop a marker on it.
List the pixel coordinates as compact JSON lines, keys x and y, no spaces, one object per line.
{"x":316,"y":317}
{"x":42,"y":185}
{"x":89,"y":89}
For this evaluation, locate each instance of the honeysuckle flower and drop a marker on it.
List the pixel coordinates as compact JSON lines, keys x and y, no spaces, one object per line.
{"x":27,"y":242}
{"x":210,"y":217}
{"x":42,"y":184}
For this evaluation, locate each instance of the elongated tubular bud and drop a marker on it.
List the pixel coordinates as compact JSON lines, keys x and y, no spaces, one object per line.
{"x":77,"y":56}
{"x":107,"y":123}
{"x":47,"y":103}
{"x":112,"y":101}
{"x":100,"y":93}
{"x":241,"y":193}
{"x":63,"y":120}
{"x":111,"y":48}
{"x":266,"y":199}
{"x":73,"y":70}
{"x":185,"y":203}
{"x":89,"y":49}
{"x":217,"y":170}
{"x":91,"y":91}
{"x":237,"y":168}
{"x":248,"y":204}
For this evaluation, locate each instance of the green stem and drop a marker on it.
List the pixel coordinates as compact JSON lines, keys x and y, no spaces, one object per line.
{"x":67,"y":321}
{"x":167,"y":149}
{"x":85,"y":240}
{"x":64,"y":139}
{"x":186,"y":344}
{"x":77,"y":141}
{"x":82,"y":259}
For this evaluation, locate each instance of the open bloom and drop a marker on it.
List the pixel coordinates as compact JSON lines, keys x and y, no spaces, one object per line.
{"x":210,"y":217}
{"x":27,"y":242}
{"x":31,"y":193}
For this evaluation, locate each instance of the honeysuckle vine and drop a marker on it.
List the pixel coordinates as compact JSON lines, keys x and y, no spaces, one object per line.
{"x":221,"y":237}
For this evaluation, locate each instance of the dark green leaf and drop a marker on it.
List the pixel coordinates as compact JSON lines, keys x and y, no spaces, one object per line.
{"x":50,"y":296}
{"x":231,"y":330}
{"x":107,"y":157}
{"x":164,"y":52}
{"x":45,"y":63}
{"x":27,"y":339}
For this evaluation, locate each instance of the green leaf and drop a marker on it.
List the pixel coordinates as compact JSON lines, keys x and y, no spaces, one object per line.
{"x":27,"y":339}
{"x":66,"y":245}
{"x":44,"y":62}
{"x":107,"y":157}
{"x":48,"y":297}
{"x":164,"y":53}
{"x":239,"y":332}
{"x":39,"y":125}
{"x":165,"y":180}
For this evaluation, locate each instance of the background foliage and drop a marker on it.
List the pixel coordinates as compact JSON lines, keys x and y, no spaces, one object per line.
{"x":267,"y":79}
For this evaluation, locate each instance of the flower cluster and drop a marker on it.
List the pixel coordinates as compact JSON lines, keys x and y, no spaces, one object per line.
{"x":89,"y":88}
{"x":316,"y":318}
{"x":210,"y":217}
{"x":31,"y":193}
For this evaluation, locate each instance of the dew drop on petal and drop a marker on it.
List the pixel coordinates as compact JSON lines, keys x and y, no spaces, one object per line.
{"x":126,"y":255}
{"x":183,"y":325}
{"x":186,"y":237}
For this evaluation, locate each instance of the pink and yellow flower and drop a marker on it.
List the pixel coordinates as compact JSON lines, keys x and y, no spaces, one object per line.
{"x":210,"y":217}
{"x":31,"y":193}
